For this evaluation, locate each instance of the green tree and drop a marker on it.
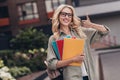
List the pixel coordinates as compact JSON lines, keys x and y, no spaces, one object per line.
{"x":29,"y":38}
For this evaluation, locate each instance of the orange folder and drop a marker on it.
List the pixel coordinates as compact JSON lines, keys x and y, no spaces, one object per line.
{"x":72,"y":47}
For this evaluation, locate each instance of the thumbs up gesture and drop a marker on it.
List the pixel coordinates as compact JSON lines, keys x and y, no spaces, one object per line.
{"x":86,"y":23}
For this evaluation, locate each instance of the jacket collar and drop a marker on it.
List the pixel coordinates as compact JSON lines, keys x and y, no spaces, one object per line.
{"x":62,"y":32}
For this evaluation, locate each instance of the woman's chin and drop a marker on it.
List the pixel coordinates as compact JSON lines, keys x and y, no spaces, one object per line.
{"x":65,"y":24}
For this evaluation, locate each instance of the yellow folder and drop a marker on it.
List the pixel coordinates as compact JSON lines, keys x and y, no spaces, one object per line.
{"x":72,"y":47}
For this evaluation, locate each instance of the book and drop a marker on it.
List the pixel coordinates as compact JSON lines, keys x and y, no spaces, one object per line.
{"x":54,"y":45}
{"x":72,"y":47}
{"x":60,"y":47}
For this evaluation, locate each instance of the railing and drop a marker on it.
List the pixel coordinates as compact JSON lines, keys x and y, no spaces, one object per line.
{"x":28,"y":21}
{"x":4,"y":22}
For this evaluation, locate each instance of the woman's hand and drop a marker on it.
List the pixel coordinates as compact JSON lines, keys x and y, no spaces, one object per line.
{"x":78,"y":58}
{"x":87,"y":23}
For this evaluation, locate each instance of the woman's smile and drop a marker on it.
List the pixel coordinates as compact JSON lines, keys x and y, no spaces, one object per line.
{"x":65,"y":17}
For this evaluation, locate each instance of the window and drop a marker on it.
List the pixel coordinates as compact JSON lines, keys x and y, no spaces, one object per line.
{"x":4,"y":16}
{"x":51,"y":5}
{"x":2,"y":0}
{"x":76,"y":3}
{"x":28,"y":11}
{"x":4,"y":12}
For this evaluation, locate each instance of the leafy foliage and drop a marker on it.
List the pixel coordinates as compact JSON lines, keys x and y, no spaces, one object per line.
{"x":28,"y":51}
{"x":29,"y":38}
{"x":4,"y":72}
{"x":19,"y":71}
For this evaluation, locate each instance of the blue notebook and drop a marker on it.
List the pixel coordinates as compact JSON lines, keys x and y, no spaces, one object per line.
{"x":56,"y":49}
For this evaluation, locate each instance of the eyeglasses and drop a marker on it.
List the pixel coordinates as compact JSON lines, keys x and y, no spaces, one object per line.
{"x":64,"y":14}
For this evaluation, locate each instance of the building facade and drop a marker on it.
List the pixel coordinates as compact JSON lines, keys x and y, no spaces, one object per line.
{"x":17,"y":14}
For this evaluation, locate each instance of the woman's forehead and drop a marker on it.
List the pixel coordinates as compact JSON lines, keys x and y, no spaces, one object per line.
{"x":66,"y":9}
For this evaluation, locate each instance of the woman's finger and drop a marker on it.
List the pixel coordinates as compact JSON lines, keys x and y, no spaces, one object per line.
{"x":87,"y":17}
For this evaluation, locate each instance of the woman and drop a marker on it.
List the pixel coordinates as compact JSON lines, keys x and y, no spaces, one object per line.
{"x":65,"y":22}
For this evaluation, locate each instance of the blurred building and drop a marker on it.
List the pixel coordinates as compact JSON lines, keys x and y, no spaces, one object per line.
{"x":17,"y":14}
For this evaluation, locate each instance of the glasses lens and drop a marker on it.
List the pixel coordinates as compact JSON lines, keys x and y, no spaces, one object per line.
{"x":64,"y":14}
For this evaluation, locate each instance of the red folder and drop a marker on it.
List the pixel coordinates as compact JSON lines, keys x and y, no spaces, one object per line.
{"x":60,"y":47}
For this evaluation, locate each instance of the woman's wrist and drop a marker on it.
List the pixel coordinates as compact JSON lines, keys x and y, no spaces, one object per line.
{"x":62,"y":63}
{"x":94,"y":25}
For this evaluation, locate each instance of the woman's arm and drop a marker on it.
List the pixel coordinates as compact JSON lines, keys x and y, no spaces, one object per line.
{"x":98,"y":27}
{"x":52,"y":61}
{"x":94,"y":31}
{"x":63,"y":63}
{"x":88,"y":24}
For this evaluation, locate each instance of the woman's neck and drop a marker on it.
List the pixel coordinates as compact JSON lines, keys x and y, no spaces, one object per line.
{"x":66,"y":30}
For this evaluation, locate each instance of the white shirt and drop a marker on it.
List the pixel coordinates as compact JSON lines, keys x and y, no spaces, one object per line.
{"x":84,"y":72}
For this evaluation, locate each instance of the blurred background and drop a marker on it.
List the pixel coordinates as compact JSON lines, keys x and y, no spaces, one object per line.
{"x":25,"y":26}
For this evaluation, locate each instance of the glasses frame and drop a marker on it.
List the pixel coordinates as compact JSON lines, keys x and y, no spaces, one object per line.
{"x":64,"y":14}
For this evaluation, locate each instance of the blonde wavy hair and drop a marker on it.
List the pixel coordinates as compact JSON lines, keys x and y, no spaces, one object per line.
{"x":74,"y":24}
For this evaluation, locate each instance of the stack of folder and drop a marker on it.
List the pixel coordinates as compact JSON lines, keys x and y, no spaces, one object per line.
{"x":68,"y":48}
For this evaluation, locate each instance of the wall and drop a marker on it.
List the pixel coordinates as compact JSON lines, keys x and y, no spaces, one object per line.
{"x":113,"y":22}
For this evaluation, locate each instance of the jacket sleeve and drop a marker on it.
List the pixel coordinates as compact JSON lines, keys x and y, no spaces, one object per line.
{"x":51,"y":57}
{"x":94,"y":35}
